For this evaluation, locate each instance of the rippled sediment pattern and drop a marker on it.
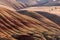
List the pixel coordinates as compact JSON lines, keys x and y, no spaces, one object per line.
{"x":12,"y":4}
{"x":21,"y":23}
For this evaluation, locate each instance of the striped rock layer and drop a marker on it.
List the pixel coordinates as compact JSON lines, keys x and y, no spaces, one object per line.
{"x":25,"y":23}
{"x":12,"y":4}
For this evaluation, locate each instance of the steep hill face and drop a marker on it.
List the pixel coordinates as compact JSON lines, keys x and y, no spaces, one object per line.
{"x":26,"y":23}
{"x":12,"y":3}
{"x":46,"y":24}
{"x":51,"y":12}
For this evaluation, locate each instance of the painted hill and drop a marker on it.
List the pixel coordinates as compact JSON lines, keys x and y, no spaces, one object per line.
{"x":12,"y":3}
{"x":26,"y":23}
{"x":51,"y":12}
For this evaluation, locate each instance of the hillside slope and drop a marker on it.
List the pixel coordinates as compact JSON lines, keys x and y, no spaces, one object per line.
{"x":12,"y":3}
{"x":25,"y":23}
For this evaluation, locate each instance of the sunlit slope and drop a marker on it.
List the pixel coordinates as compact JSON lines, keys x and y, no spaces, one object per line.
{"x":23,"y":23}
{"x":51,"y":12}
{"x":12,"y":3}
{"x":41,"y":18}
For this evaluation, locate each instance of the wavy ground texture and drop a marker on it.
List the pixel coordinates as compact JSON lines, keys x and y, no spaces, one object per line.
{"x":12,"y":4}
{"x":27,"y":23}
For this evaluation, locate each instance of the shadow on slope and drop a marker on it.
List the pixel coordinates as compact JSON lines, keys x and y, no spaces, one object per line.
{"x":23,"y":37}
{"x":26,"y":22}
{"x":4,"y":39}
{"x":52,"y":17}
{"x":39,"y":17}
